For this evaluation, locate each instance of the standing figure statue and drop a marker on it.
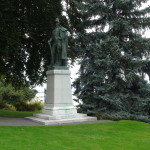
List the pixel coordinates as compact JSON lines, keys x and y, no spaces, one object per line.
{"x":58,"y":45}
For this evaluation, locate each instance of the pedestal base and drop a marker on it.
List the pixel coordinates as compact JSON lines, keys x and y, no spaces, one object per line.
{"x":63,"y":110}
{"x":58,"y":108}
{"x":61,"y":119}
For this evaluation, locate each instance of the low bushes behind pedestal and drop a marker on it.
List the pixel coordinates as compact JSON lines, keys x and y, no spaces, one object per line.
{"x":22,"y":105}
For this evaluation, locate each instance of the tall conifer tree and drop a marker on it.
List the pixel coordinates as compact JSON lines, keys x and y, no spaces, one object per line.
{"x":114,"y":59}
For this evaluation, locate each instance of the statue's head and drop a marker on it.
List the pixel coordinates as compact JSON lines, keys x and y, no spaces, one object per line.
{"x":57,"y":22}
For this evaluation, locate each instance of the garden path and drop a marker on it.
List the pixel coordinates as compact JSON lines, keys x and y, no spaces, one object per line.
{"x":25,"y":122}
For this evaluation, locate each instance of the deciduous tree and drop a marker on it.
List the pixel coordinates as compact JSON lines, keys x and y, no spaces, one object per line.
{"x":25,"y":27}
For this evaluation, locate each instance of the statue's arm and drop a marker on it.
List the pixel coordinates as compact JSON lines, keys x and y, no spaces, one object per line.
{"x":50,"y":40}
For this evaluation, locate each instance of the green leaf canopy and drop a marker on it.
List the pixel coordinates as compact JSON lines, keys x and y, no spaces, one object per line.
{"x":25,"y":27}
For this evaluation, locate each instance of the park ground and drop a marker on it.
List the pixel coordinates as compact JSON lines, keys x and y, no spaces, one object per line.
{"x":118,"y":135}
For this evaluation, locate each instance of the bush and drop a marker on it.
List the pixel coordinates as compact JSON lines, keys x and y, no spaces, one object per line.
{"x":38,"y":105}
{"x":24,"y":106}
{"x":9,"y":107}
{"x":2,"y":104}
{"x":122,"y":116}
{"x":11,"y":95}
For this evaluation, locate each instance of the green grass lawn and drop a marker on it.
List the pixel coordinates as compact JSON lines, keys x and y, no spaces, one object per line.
{"x":15,"y":114}
{"x":120,"y":135}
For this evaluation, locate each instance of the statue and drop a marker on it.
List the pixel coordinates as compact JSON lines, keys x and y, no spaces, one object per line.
{"x":58,"y":45}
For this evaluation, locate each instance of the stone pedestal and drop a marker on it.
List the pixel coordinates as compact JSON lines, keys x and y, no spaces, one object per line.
{"x":58,"y":108}
{"x":58,"y":96}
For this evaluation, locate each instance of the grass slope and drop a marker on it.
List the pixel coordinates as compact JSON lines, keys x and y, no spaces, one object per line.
{"x":15,"y":114}
{"x":121,"y":135}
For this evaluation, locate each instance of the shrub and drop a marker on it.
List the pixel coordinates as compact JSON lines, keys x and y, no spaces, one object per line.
{"x":2,"y":104}
{"x":30,"y":106}
{"x":23,"y":106}
{"x":9,"y":107}
{"x":122,"y":116}
{"x":38,"y":105}
{"x":12,"y":95}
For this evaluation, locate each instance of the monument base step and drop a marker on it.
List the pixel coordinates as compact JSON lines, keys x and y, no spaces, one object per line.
{"x":61,"y":119}
{"x":55,"y":117}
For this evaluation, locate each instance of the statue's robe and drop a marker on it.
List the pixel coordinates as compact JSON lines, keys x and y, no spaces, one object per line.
{"x":59,"y":45}
{"x":64,"y":42}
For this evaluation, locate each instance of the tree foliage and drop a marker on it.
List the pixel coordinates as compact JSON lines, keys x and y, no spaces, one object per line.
{"x":25,"y":27}
{"x":114,"y":57}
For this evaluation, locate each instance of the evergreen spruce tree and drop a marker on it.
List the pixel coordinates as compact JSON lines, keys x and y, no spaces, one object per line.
{"x":114,"y":59}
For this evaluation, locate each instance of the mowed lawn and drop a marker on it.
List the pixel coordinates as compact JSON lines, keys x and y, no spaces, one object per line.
{"x":15,"y":114}
{"x":120,"y":135}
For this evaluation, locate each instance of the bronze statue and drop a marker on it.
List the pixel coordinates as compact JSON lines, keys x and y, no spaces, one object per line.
{"x":58,"y":45}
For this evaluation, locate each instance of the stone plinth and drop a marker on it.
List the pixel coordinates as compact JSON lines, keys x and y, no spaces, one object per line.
{"x":58,"y":96}
{"x":58,"y":108}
